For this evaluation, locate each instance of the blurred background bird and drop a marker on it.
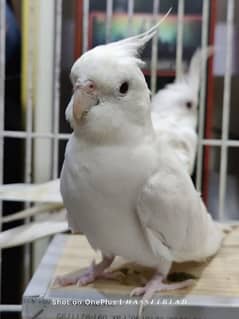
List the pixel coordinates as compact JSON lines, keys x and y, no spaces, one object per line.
{"x":175,"y":111}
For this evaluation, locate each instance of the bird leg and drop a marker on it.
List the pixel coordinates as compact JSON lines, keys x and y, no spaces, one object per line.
{"x":156,"y":284}
{"x":95,"y":271}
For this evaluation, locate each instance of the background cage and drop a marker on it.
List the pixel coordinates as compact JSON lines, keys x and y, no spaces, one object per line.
{"x":33,"y":132}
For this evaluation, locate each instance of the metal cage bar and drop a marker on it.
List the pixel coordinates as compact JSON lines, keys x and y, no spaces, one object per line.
{"x":226,"y":108}
{"x":130,"y":15}
{"x":109,"y":12}
{"x":29,"y":106}
{"x":2,"y":79}
{"x":20,"y":134}
{"x":29,"y":126}
{"x":61,"y":136}
{"x":215,"y":142}
{"x":56,"y":94}
{"x":179,"y":49}
{"x":10,"y":308}
{"x":2,"y":94}
{"x":85,"y":25}
{"x":154,"y":57}
{"x":204,"y":43}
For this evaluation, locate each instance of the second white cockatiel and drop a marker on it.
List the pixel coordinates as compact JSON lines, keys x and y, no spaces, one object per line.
{"x":121,"y":185}
{"x":175,"y":111}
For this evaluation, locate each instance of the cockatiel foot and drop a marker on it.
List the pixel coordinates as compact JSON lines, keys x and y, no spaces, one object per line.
{"x":156,"y":284}
{"x":95,"y":271}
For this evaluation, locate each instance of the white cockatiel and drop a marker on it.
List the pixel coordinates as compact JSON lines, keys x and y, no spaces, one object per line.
{"x":175,"y":111}
{"x":122,"y":186}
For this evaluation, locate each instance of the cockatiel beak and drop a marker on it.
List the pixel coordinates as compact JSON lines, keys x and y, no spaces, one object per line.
{"x":84,"y":98}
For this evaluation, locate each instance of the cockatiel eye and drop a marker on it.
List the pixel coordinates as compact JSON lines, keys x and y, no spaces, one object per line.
{"x":189,"y":104}
{"x":124,"y":87}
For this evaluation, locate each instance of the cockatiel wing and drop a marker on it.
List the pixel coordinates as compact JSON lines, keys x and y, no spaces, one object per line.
{"x":182,"y":139}
{"x":176,"y":229}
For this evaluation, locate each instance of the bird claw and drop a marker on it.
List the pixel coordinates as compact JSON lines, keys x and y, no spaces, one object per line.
{"x":95,"y":271}
{"x":79,"y":279}
{"x":65,"y":280}
{"x":138,"y":291}
{"x":92,"y":274}
{"x":85,"y":279}
{"x":156,"y":284}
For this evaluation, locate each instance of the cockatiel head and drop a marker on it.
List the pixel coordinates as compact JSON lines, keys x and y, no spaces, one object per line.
{"x":110,"y":91}
{"x":181,"y":97}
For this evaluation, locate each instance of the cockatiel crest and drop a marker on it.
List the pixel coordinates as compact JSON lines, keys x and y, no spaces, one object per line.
{"x":99,"y":65}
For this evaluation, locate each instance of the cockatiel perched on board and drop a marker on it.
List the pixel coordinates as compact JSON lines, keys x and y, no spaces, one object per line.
{"x":175,"y":111}
{"x":121,"y":185}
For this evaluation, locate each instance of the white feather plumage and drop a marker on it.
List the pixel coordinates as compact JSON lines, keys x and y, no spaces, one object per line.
{"x":121,"y":183}
{"x":175,"y":111}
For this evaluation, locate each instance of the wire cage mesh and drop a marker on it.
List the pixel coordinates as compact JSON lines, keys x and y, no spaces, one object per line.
{"x":62,"y":35}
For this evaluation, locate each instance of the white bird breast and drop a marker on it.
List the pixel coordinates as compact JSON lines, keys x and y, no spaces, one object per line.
{"x":100,"y":188}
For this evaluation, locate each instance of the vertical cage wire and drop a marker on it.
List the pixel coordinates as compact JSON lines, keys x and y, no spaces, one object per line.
{"x":86,"y":6}
{"x":226,"y":108}
{"x":2,"y":80}
{"x":29,"y":106}
{"x":2,"y":101}
{"x":109,"y":13}
{"x":43,"y":88}
{"x":179,"y":48}
{"x":130,"y":15}
{"x":56,"y":77}
{"x":29,"y":126}
{"x":201,"y":122}
{"x":154,"y":57}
